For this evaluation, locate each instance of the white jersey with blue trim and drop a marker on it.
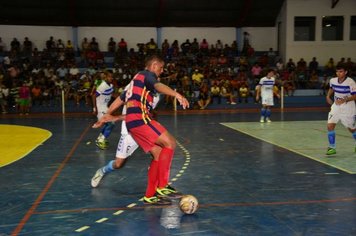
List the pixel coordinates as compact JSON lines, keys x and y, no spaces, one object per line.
{"x":266,"y":86}
{"x":103,"y":97}
{"x":342,"y":90}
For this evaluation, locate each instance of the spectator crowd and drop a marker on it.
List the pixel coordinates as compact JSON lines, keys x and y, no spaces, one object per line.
{"x":204,"y":72}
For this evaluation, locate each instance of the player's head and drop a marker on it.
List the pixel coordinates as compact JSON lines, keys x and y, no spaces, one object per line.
{"x":108,"y":75}
{"x":154,"y":64}
{"x":271,"y":73}
{"x":341,"y":71}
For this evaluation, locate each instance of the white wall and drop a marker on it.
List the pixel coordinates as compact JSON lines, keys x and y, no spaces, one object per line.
{"x":226,"y":35}
{"x":131,"y":35}
{"x":37,"y":34}
{"x":323,"y":50}
{"x":261,"y":38}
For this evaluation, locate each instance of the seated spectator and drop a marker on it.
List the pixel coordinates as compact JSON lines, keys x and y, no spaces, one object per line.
{"x":226,"y":92}
{"x":204,"y":98}
{"x":313,"y":82}
{"x":243,"y":93}
{"x":215,"y":93}
{"x":197,"y":78}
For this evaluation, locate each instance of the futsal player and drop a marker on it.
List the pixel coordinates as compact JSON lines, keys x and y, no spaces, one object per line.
{"x":103,"y":95}
{"x":265,"y":90}
{"x":125,"y":147}
{"x":342,"y":106}
{"x":150,"y":135}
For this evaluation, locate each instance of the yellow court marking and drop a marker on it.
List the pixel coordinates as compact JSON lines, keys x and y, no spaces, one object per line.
{"x":18,"y":141}
{"x":307,"y":138}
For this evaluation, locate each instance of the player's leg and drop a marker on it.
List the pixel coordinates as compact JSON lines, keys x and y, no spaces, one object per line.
{"x":263,"y":113}
{"x":125,"y":148}
{"x":333,"y":119}
{"x":168,"y":143}
{"x":101,"y":141}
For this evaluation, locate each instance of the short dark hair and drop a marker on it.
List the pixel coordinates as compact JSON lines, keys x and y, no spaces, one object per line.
{"x":341,"y":66}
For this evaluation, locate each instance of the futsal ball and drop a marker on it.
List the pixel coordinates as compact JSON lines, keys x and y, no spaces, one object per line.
{"x":188,"y":204}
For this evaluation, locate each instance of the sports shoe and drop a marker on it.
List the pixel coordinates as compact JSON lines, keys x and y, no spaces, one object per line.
{"x":95,"y":181}
{"x":268,"y":120}
{"x":156,"y":201}
{"x":102,"y":144}
{"x":233,"y":103}
{"x":331,"y":151}
{"x":168,"y":192}
{"x":262,"y":120}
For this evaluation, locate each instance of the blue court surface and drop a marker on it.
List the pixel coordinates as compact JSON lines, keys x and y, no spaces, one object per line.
{"x":249,"y":178}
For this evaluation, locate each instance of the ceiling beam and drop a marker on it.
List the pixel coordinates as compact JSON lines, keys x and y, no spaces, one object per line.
{"x":333,"y":3}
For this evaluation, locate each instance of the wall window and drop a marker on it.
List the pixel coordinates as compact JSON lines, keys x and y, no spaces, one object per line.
{"x":304,"y":28}
{"x":353,"y":28}
{"x":332,"y":28}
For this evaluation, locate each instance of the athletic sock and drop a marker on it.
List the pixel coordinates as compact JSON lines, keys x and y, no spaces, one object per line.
{"x":331,"y":137}
{"x":268,"y":113}
{"x":165,"y":161}
{"x":152,"y":179}
{"x":263,"y":112}
{"x":108,"y":127}
{"x":109,"y":167}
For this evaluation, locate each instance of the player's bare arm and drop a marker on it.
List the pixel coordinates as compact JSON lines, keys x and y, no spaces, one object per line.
{"x":328,"y":96}
{"x":162,"y":88}
{"x":108,"y":117}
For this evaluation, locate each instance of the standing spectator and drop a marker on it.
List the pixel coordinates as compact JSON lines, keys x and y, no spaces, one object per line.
{"x":265,"y":91}
{"x":24,"y":98}
{"x":204,"y":47}
{"x":111,"y":45}
{"x":15,"y":45}
{"x":329,"y":68}
{"x":342,"y":106}
{"x":290,"y":65}
{"x":4,"y":93}
{"x":122,"y":46}
{"x":313,"y":65}
{"x":271,"y":57}
{"x":27,"y":47}
{"x":2,"y":46}
{"x":185,"y":47}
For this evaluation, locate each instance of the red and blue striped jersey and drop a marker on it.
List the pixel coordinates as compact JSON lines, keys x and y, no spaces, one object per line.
{"x":139,"y":99}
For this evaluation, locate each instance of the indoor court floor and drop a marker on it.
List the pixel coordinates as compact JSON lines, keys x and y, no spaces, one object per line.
{"x":250,"y":178}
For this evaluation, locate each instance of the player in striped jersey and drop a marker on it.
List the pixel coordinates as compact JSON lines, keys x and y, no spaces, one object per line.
{"x":342,"y":106}
{"x":150,"y":135}
{"x":103,"y":95}
{"x":265,"y":90}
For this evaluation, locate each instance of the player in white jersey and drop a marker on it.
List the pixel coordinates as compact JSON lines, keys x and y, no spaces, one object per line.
{"x":266,"y":91}
{"x":126,"y":146}
{"x":103,"y":95}
{"x":342,"y":106}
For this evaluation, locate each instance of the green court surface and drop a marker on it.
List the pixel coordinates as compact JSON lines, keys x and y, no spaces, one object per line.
{"x":307,"y":138}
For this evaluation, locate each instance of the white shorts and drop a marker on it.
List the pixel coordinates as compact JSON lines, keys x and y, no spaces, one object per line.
{"x":268,"y":101}
{"x":126,"y":146}
{"x":346,"y":117}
